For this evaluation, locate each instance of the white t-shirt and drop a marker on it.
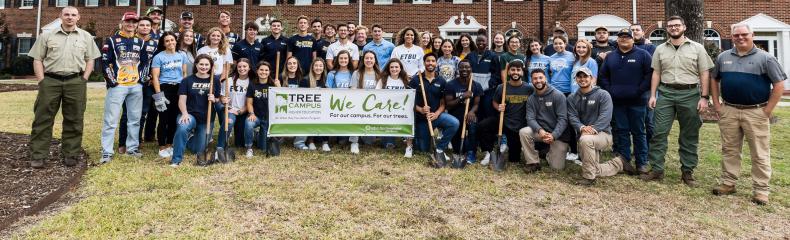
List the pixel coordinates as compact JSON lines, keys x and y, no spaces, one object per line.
{"x":411,"y":58}
{"x":238,"y":93}
{"x":336,"y":47}
{"x":391,"y":84}
{"x":219,"y":59}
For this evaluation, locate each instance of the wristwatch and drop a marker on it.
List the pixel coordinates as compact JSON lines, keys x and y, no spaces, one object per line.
{"x":706,"y":97}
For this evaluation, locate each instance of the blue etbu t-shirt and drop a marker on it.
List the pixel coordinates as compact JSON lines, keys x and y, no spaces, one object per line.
{"x":196,"y":89}
{"x":591,"y":64}
{"x":336,"y":79}
{"x":538,"y":62}
{"x":561,"y":65}
{"x":170,"y":67}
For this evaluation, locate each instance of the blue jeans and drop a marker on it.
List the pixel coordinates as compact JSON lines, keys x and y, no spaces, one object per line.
{"x":196,"y":144}
{"x":116,"y":96}
{"x":629,"y":122}
{"x":249,"y":132}
{"x":220,"y":110}
{"x":422,"y":136}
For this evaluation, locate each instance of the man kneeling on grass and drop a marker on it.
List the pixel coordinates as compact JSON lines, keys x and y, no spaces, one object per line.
{"x":546,"y":122}
{"x":590,"y":114}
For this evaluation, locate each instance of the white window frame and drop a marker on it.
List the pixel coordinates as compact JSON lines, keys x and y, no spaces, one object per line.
{"x":421,"y":2}
{"x":127,"y":3}
{"x":88,"y":4}
{"x":219,"y":2}
{"x":341,"y":2}
{"x":59,"y":3}
{"x":382,"y":2}
{"x":2,"y":6}
{"x":26,"y":4}
{"x":657,"y":40}
{"x":711,"y":35}
{"x":462,"y":1}
{"x":19,"y":46}
{"x":158,"y":2}
{"x":513,"y":0}
{"x":192,"y":2}
{"x":268,"y":3}
{"x":303,"y":2}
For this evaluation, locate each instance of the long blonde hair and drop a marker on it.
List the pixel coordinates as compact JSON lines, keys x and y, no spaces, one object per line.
{"x":317,"y":81}
{"x":586,"y":57}
{"x":223,"y":42}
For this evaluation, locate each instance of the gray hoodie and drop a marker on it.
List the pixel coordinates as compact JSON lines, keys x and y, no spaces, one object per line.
{"x":593,"y":108}
{"x":548,"y":112}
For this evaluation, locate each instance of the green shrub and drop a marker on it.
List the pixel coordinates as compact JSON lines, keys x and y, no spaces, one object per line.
{"x":22,"y":66}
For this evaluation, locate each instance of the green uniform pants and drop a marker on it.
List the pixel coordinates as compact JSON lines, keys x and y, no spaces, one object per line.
{"x":51,"y":92}
{"x":683,"y":104}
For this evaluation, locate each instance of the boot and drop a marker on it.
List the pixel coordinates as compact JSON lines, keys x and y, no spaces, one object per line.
{"x":723,"y":189}
{"x":688,"y":179}
{"x":70,"y":161}
{"x":585,"y":182}
{"x":37,"y":163}
{"x":652,"y":176}
{"x":760,"y":199}
{"x":532,"y":168}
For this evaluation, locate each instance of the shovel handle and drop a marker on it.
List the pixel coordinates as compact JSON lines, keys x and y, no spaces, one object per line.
{"x":277,"y":68}
{"x":208,"y":112}
{"x":425,"y":102}
{"x":466,"y":111}
{"x":504,"y":97}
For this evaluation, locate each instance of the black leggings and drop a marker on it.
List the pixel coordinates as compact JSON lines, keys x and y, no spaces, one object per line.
{"x":168,"y":122}
{"x":487,"y":136}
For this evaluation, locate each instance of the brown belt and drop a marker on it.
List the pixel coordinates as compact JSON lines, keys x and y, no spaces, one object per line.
{"x":680,"y":86}
{"x":740,"y":106}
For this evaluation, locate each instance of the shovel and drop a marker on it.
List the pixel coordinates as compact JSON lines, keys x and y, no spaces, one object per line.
{"x":228,"y":155}
{"x":437,"y":162}
{"x":206,"y":157}
{"x":460,"y":162}
{"x":497,"y":159}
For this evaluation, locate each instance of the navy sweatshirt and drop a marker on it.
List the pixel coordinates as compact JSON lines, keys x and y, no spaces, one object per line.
{"x":488,"y":64}
{"x":627,"y":76}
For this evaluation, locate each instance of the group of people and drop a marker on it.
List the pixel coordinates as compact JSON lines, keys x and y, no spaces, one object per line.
{"x":562,"y":102}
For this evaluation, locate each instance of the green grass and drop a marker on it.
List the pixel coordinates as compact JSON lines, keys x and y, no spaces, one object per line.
{"x":379,"y":194}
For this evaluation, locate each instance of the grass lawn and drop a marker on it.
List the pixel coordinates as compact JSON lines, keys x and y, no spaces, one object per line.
{"x":379,"y":194}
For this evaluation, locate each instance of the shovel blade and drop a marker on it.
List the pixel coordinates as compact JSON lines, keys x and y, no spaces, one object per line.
{"x":274,"y":148}
{"x":230,"y":155}
{"x":221,"y":156}
{"x":459,"y":162}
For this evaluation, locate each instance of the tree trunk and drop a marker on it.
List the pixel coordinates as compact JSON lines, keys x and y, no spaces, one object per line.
{"x":692,"y":11}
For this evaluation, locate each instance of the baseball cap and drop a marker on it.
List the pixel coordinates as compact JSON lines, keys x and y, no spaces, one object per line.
{"x":601,"y":27}
{"x":187,"y":14}
{"x":584,"y":70}
{"x":130,"y":16}
{"x":559,"y":29}
{"x":153,"y":9}
{"x":625,"y":31}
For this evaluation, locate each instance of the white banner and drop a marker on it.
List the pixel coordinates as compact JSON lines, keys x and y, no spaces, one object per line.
{"x":341,"y":112}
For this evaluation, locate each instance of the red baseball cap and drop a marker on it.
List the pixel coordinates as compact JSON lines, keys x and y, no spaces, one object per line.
{"x":130,"y":16}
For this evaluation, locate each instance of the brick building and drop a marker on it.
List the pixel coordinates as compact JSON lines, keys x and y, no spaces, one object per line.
{"x":769,"y":18}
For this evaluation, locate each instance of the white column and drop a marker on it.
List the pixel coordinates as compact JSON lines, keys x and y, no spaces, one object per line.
{"x":784,"y":55}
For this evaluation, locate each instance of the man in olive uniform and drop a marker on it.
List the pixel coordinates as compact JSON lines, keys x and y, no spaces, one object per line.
{"x":62,"y":60}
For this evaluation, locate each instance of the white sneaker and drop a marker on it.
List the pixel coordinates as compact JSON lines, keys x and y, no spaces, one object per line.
{"x":249,"y":153}
{"x":449,"y":146}
{"x":164,"y":153}
{"x":170,"y":151}
{"x":503,"y":147}
{"x":486,"y":159}
{"x":325,"y":147}
{"x":409,"y":152}
{"x":571,"y":157}
{"x":355,"y":148}
{"x":311,"y":146}
{"x":174,"y":165}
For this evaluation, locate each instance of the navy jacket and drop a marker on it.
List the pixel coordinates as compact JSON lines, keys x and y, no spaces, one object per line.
{"x":124,"y":60}
{"x":487,"y":64}
{"x":627,"y":76}
{"x":650,"y":48}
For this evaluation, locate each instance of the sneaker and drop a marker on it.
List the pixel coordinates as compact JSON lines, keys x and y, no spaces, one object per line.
{"x":311,"y":147}
{"x":325,"y":147}
{"x":164,"y":153}
{"x":389,"y":146}
{"x":301,"y":146}
{"x":355,"y":148}
{"x":470,"y":157}
{"x":449,"y":145}
{"x":486,"y":159}
{"x":503,"y":147}
{"x":105,"y":158}
{"x":409,"y":152}
{"x":170,"y":151}
{"x":174,"y":165}
{"x":249,"y":153}
{"x":134,"y":153}
{"x":571,"y":157}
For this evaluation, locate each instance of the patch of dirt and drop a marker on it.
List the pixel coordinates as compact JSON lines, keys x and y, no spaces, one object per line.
{"x":24,"y":190}
{"x":10,"y":87}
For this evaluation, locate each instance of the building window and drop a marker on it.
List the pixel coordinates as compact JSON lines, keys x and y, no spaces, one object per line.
{"x":303,"y":2}
{"x":421,"y":1}
{"x":658,"y":36}
{"x":122,"y":3}
{"x":339,"y":2}
{"x":462,"y":1}
{"x":159,"y":3}
{"x":382,"y":2}
{"x":226,"y":2}
{"x":24,"y":46}
{"x":27,"y":4}
{"x":61,"y":3}
{"x":91,"y":3}
{"x":192,"y":2}
{"x":268,"y":2}
{"x":712,"y":37}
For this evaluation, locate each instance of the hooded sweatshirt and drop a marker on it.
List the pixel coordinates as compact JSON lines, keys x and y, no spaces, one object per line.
{"x":591,"y":109}
{"x":548,"y":112}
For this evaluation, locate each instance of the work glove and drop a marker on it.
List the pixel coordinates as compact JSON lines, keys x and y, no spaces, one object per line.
{"x":160,"y":101}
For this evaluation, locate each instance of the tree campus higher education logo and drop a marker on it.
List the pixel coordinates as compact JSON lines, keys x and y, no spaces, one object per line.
{"x":281,"y":103}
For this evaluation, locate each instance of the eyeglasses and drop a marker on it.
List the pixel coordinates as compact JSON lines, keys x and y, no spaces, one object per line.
{"x":675,"y":26}
{"x":742,"y":35}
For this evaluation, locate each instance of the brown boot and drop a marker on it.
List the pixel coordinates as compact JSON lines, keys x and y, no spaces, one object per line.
{"x":652,"y":176}
{"x":532,"y":168}
{"x":723,"y":189}
{"x":585,"y":182}
{"x":688,"y":179}
{"x":70,"y":161}
{"x":627,"y":167}
{"x":37,"y":163}
{"x":760,"y":199}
